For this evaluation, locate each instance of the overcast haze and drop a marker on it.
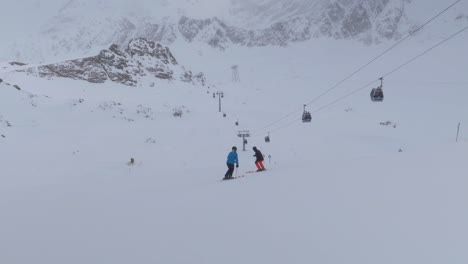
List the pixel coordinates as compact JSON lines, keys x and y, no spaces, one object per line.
{"x":27,"y":16}
{"x":23,"y":19}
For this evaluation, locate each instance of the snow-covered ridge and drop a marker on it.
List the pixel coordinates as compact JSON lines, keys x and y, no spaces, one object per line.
{"x":368,"y":20}
{"x":141,"y":58}
{"x":78,"y":30}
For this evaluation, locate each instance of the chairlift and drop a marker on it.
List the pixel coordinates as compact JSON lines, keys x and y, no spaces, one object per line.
{"x":306,"y":116}
{"x":267,"y":138}
{"x":376,"y":94}
{"x":237,"y":123}
{"x":214,"y":96}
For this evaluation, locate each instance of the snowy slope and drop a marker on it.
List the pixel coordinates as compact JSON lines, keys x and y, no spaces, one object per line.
{"x":337,"y":190}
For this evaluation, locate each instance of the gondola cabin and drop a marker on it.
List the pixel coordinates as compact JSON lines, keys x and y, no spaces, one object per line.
{"x":376,"y":94}
{"x":306,"y":116}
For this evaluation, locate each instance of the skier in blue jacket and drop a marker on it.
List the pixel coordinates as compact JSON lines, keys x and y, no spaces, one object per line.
{"x":232,"y":160}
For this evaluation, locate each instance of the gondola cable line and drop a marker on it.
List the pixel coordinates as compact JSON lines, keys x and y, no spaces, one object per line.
{"x":412,"y":33}
{"x":380,"y":79}
{"x":394,"y":70}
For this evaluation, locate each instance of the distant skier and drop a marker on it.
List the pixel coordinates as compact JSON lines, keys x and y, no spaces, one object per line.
{"x":232,"y":160}
{"x":259,"y":159}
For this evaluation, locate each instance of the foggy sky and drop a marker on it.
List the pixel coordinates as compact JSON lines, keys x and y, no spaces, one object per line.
{"x":23,"y":17}
{"x":19,"y":17}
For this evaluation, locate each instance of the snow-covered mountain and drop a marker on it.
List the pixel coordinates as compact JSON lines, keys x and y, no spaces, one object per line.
{"x":85,"y":27}
{"x":378,"y":19}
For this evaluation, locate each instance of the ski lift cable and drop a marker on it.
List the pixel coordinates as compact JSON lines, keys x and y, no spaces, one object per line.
{"x":384,"y":52}
{"x":295,"y":121}
{"x":370,"y":83}
{"x":394,"y":70}
{"x":412,"y":33}
{"x":281,"y":119}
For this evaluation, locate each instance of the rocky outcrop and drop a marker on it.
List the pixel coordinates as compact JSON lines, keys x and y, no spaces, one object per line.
{"x":17,"y":63}
{"x":140,"y":58}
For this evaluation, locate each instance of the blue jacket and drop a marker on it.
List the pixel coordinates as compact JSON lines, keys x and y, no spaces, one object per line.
{"x":232,"y":158}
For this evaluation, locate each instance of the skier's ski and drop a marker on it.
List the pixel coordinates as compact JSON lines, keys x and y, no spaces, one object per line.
{"x":255,"y":171}
{"x":233,"y":178}
{"x":241,"y":176}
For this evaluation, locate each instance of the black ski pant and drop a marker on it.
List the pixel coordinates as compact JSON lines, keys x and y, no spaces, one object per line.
{"x":230,"y":171}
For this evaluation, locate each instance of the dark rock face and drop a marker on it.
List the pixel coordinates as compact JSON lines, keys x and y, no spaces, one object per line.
{"x":189,"y":77}
{"x":88,"y":69}
{"x":357,"y":23}
{"x":212,"y":31}
{"x":142,"y":47}
{"x":16,"y":63}
{"x":140,"y":58}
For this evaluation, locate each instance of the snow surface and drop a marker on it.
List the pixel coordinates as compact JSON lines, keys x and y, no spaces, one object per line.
{"x":337,"y":190}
